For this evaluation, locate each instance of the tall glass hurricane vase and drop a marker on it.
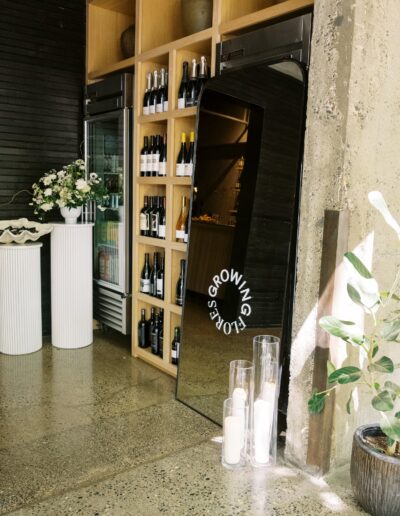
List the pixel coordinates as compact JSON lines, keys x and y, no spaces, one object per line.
{"x":264,"y":416}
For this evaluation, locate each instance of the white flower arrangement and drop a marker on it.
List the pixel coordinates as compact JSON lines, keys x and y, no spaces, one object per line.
{"x":67,"y":188}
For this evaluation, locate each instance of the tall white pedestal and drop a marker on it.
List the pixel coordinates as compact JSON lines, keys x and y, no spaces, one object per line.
{"x":20,"y":299}
{"x":71,"y":285}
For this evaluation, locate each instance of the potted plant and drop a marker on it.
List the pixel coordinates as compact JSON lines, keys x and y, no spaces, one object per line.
{"x":375,"y":462}
{"x":68,"y":189}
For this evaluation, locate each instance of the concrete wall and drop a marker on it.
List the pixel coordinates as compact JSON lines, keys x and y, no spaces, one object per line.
{"x":352,"y":146}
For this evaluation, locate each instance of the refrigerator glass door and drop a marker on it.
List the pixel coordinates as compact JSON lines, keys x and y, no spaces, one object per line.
{"x":107,"y":155}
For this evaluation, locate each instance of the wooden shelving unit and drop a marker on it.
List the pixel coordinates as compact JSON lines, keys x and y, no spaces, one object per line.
{"x":160,"y":42}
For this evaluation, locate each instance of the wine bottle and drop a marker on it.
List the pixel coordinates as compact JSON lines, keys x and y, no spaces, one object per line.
{"x":153,"y":276}
{"x":154,"y":218}
{"x":145,"y":276}
{"x":180,"y":286}
{"x":203,"y":76}
{"x":162,"y":167}
{"x":150,"y":325}
{"x":161,"y":333}
{"x":150,"y":157}
{"x":146,"y":97}
{"x":143,"y":218}
{"x":144,"y":156}
{"x":162,"y":219}
{"x":181,"y":223}
{"x":160,"y":280}
{"x":165,"y":106}
{"x":189,"y":157}
{"x":182,"y":92}
{"x":191,"y":92}
{"x":155,"y":336}
{"x":153,"y":93}
{"x":180,"y":162}
{"x":156,"y":156}
{"x":176,"y":343}
{"x":161,"y":92}
{"x":142,"y":343}
{"x":148,"y":214}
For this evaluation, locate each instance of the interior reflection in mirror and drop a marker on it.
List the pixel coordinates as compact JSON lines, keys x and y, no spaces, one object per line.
{"x":243,"y":221}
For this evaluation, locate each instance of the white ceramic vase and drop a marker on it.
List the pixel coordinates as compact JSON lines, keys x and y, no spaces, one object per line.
{"x":71,"y":214}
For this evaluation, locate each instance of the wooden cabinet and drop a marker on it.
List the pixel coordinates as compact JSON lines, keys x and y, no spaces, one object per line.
{"x":160,"y":43}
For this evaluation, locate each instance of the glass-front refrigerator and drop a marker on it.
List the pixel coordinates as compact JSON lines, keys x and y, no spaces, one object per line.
{"x":108,"y":153}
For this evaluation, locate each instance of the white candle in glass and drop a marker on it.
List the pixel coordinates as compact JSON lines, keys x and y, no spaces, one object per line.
{"x":233,"y":439}
{"x":239,"y":399}
{"x":268,"y":391}
{"x":263,"y":420}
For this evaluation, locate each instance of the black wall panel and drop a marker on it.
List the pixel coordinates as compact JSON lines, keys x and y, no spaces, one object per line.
{"x":42,"y":67}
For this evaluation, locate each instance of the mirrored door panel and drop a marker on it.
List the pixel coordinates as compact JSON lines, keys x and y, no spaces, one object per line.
{"x":243,"y":224}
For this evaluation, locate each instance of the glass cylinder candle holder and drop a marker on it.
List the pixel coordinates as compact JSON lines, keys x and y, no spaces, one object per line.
{"x":234,"y":445}
{"x":264,"y":415}
{"x":241,"y":382}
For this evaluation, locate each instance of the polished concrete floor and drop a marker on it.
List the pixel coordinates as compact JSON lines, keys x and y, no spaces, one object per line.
{"x":96,"y":432}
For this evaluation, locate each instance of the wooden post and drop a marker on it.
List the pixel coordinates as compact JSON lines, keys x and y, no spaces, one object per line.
{"x":334,"y":245}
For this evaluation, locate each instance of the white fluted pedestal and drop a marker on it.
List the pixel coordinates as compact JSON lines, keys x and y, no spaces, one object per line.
{"x":20,"y":299}
{"x":71,"y":285}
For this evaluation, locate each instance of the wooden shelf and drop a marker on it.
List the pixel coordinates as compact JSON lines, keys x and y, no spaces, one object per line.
{"x":125,"y":64}
{"x":175,"y":309}
{"x":150,"y":300}
{"x":179,"y":246}
{"x":184,"y":181}
{"x":164,"y":180}
{"x":157,"y":117}
{"x":198,"y":42}
{"x":157,"y":242}
{"x":120,"y":6}
{"x":146,"y":355}
{"x":156,"y":180}
{"x":258,"y":17}
{"x":187,"y":112}
{"x":162,"y":117}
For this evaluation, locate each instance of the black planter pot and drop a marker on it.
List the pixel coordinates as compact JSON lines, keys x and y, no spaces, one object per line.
{"x":375,"y":477}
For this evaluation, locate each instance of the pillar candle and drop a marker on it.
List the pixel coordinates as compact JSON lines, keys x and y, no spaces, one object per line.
{"x":239,"y":398}
{"x":233,"y":439}
{"x":263,"y":420}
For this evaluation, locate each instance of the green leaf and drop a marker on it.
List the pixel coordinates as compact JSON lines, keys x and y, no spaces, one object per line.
{"x":383,"y":402}
{"x":390,"y":442}
{"x":383,"y":365}
{"x":397,"y":415}
{"x":391,"y":330}
{"x":354,"y":295}
{"x":330,"y":368}
{"x":375,"y":350}
{"x":344,"y":329}
{"x":377,"y":386}
{"x":358,"y":265}
{"x":316,"y":403}
{"x":391,"y":428}
{"x":350,"y":403}
{"x":385,"y":295}
{"x":391,"y":386}
{"x":346,"y":374}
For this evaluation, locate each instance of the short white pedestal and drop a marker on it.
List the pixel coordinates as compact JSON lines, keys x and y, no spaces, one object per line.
{"x":20,"y":299}
{"x":71,"y":285}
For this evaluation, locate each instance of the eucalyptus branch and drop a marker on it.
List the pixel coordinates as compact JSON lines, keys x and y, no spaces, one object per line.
{"x":16,"y":195}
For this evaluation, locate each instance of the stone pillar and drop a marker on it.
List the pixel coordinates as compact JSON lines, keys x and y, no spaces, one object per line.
{"x":352,"y":146}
